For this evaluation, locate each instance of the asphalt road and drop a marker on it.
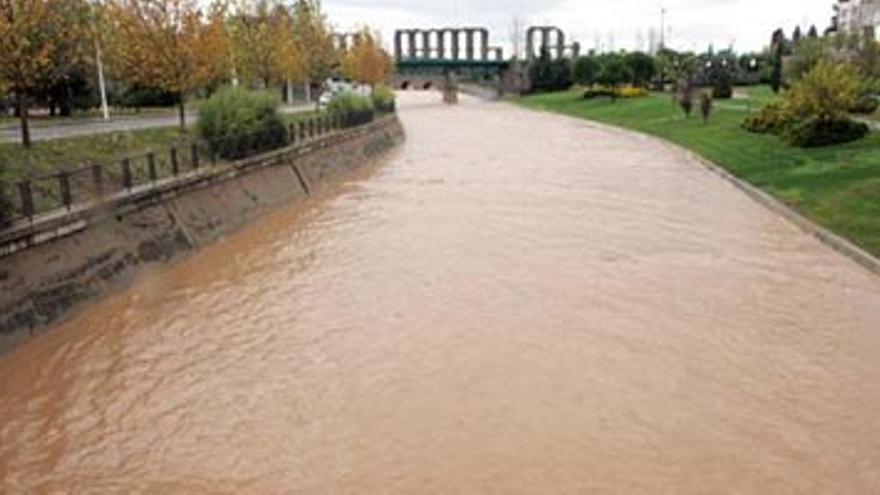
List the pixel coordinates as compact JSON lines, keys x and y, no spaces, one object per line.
{"x":11,"y":133}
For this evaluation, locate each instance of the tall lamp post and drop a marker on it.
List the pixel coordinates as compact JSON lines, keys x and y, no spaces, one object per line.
{"x":99,"y":64}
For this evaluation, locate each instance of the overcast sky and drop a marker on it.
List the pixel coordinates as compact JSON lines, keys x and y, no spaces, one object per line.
{"x":692,"y":24}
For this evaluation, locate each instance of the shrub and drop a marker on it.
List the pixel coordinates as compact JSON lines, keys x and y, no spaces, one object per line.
{"x":237,"y":122}
{"x":705,"y":106}
{"x":686,"y":100}
{"x":865,"y":106}
{"x":383,"y":99}
{"x":722,"y":92}
{"x":818,"y":132}
{"x":600,"y":92}
{"x":632,"y":92}
{"x":353,"y":110}
{"x":826,"y":92}
{"x":772,"y":119}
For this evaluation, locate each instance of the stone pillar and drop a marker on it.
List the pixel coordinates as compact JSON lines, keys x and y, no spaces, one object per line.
{"x":450,"y":88}
{"x":530,"y":44}
{"x":398,"y":45}
{"x":441,"y":44}
{"x":545,"y":40}
{"x":456,"y":34}
{"x":426,"y":44}
{"x":560,"y":44}
{"x":484,"y":44}
{"x":469,"y":44}
{"x":412,"y":43}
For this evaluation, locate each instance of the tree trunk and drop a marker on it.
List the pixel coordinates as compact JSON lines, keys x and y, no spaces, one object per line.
{"x":308,"y":89}
{"x":21,"y":106}
{"x":181,"y":108}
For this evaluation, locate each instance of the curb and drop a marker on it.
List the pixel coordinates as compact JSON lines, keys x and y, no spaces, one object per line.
{"x":823,"y":235}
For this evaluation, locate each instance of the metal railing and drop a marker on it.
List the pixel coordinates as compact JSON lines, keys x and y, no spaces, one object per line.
{"x":66,"y":189}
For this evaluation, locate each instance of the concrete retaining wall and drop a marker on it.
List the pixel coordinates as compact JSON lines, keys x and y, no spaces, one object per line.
{"x":53,"y":267}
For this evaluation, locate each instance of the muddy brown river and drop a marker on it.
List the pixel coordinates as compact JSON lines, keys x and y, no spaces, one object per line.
{"x":513,"y":302}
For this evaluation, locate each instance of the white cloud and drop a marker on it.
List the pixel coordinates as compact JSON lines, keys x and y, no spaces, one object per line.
{"x":693,"y":24}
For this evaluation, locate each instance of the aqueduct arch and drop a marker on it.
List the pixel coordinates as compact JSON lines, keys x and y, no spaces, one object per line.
{"x":555,"y":48}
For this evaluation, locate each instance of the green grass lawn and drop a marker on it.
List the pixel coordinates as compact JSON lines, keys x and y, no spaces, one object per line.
{"x":838,"y":187}
{"x":48,"y":156}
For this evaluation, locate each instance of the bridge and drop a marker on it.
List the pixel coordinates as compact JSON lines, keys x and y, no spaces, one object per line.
{"x":441,"y":58}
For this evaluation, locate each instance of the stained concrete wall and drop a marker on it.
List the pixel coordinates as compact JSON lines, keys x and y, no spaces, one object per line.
{"x":52,"y":268}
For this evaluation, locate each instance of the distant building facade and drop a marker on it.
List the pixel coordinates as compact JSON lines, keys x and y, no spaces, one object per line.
{"x":853,"y":16}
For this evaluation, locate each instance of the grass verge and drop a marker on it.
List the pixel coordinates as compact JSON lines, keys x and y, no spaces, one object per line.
{"x":838,"y":187}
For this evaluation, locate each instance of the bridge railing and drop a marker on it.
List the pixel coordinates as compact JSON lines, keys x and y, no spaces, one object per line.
{"x":74,"y":187}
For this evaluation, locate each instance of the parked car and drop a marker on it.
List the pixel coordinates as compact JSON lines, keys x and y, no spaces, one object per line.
{"x":335,"y":87}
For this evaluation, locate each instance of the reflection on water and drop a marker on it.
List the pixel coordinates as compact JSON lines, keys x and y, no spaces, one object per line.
{"x":514,"y":303}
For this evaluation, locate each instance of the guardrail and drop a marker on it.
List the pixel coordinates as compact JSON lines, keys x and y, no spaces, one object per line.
{"x":93,"y":182}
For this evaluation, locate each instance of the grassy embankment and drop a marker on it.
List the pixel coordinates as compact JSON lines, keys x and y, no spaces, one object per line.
{"x":837,"y":187}
{"x":47,"y":156}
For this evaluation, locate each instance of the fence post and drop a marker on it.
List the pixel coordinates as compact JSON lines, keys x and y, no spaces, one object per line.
{"x":194,"y":150}
{"x":302,"y":130}
{"x":175,"y":166}
{"x":151,"y":166}
{"x":126,"y":173}
{"x":291,"y":132}
{"x":312,"y":127}
{"x":98,"y":178}
{"x":27,"y":198}
{"x":64,"y":186}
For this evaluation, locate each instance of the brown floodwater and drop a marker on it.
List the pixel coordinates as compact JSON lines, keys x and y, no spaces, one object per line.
{"x":513,"y":302}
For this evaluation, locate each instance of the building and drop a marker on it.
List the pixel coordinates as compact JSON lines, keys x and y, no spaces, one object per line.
{"x":856,"y":15}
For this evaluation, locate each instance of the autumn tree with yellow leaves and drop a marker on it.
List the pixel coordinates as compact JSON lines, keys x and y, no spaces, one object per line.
{"x":365,"y":61}
{"x":168,"y":44}
{"x":314,"y":43}
{"x":41,"y":39}
{"x":262,"y":42}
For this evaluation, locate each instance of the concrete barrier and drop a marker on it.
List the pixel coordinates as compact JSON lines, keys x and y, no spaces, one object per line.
{"x":53,"y":267}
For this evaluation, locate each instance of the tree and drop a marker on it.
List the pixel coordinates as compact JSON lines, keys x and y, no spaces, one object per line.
{"x":614,"y":72}
{"x":313,"y":42}
{"x":796,"y":36}
{"x":586,"y":70}
{"x":806,"y":55}
{"x":777,"y":48}
{"x":546,"y":74}
{"x":642,"y":68}
{"x":169,"y":45}
{"x":813,"y":33}
{"x":42,"y":39}
{"x":365,"y":61}
{"x":262,"y":42}
{"x":825,"y":93}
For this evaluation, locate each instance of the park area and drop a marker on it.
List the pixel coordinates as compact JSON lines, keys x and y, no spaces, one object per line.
{"x":836,"y":186}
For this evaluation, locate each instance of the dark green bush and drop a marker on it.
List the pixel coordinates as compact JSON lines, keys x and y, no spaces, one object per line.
{"x":601,"y":92}
{"x":353,"y":110}
{"x":816,"y":132}
{"x":237,"y":123}
{"x":722,"y":92}
{"x":546,"y":74}
{"x":383,"y":99}
{"x":772,"y":119}
{"x":865,"y":106}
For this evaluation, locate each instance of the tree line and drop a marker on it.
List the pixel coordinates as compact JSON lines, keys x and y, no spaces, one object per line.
{"x":170,"y":50}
